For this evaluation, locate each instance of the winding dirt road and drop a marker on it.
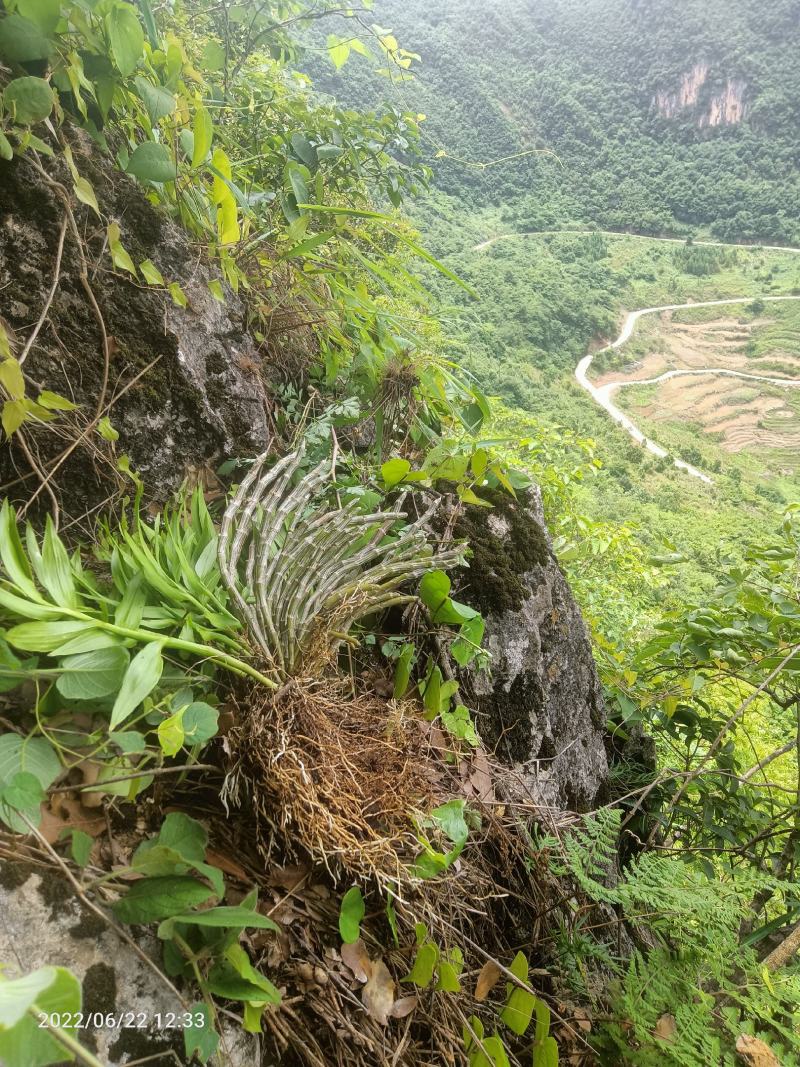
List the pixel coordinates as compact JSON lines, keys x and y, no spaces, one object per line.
{"x":603,"y":394}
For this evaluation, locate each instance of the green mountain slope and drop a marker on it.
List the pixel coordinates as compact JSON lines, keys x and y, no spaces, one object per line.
{"x":651,"y":116}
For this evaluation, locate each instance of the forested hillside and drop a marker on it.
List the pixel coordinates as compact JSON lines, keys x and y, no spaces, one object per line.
{"x":594,"y":90}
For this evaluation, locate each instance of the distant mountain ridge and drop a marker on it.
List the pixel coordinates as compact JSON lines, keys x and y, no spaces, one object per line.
{"x":652,"y":116}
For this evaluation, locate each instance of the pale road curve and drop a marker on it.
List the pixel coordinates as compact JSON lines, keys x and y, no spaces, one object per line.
{"x":602,"y":394}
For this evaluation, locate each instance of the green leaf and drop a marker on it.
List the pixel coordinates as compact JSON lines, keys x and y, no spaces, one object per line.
{"x":170,"y":734}
{"x":182,"y":833}
{"x":21,"y":41}
{"x":80,"y":846}
{"x":42,"y":13}
{"x":159,"y":101}
{"x":55,"y":402}
{"x":350,"y":915}
{"x":216,"y":290}
{"x":448,"y":979}
{"x":213,"y":57}
{"x":518,"y":1011}
{"x":421,"y":973}
{"x":12,"y":378}
{"x":141,"y":678}
{"x":178,"y":295}
{"x":28,"y":100}
{"x":200,"y":723}
{"x":546,"y":1053}
{"x":153,"y":899}
{"x":91,"y":675}
{"x":14,"y":414}
{"x":104,"y":426}
{"x":12,"y":554}
{"x":127,"y":37}
{"x":203,"y":131}
{"x":223,"y":918}
{"x":338,"y":50}
{"x":23,"y":793}
{"x":493,"y":1053}
{"x":153,"y":276}
{"x":542,"y":1020}
{"x":201,"y":1041}
{"x":434,"y":589}
{"x":45,"y":636}
{"x":450,"y":819}
{"x":6,"y":151}
{"x":56,"y":571}
{"x":50,"y":990}
{"x":402,"y":672}
{"x":33,"y":756}
{"x":394,"y":471}
{"x":152,"y":162}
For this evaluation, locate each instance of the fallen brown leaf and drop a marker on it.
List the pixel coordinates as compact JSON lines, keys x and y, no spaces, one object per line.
{"x":355,"y":957}
{"x":378,"y":994}
{"x":289,"y":878}
{"x":404,"y":1006}
{"x":755,"y":1052}
{"x":665,"y":1027}
{"x":487,"y":980}
{"x":227,"y":864}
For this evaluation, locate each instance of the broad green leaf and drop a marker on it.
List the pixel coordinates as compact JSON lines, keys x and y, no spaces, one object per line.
{"x":216,"y":290}
{"x":448,"y":979}
{"x":153,"y":276}
{"x":91,"y":675}
{"x":203,"y":131}
{"x":12,"y":378}
{"x":104,"y":426}
{"x":12,"y":554}
{"x":85,"y":193}
{"x":338,"y":50}
{"x":518,"y":1011}
{"x":171,"y":735}
{"x":33,"y":756}
{"x":153,"y":899}
{"x":141,"y":678}
{"x":54,"y":401}
{"x":182,"y":833}
{"x":213,"y":57}
{"x":42,"y":13}
{"x":45,"y":636}
{"x":118,"y":254}
{"x":224,"y":918}
{"x":434,"y":589}
{"x":159,"y":101}
{"x":23,"y":1043}
{"x":28,"y":100}
{"x":152,"y":162}
{"x":23,"y":793}
{"x":394,"y":471}
{"x":421,"y":974}
{"x":6,"y":151}
{"x":21,"y":41}
{"x":178,"y":295}
{"x":542,"y":1020}
{"x":127,"y":37}
{"x":200,"y":1041}
{"x":200,"y":723}
{"x":493,"y":1053}
{"x":545,"y":1054}
{"x":80,"y":846}
{"x":14,"y":414}
{"x":350,"y":915}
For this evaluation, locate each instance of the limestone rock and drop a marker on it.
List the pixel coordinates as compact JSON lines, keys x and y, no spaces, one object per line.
{"x":540,"y":709}
{"x":45,"y":924}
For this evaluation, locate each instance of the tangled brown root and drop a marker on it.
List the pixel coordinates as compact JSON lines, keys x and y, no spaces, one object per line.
{"x":337,"y":775}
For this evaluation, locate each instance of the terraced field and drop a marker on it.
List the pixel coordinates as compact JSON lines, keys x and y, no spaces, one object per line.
{"x":737,"y":414}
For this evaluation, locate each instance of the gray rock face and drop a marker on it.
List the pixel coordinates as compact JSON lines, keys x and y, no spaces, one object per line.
{"x":541,"y":707}
{"x":186,"y":385}
{"x":43,"y":924}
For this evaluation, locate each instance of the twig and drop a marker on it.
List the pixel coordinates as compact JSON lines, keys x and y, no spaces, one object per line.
{"x":56,"y":278}
{"x":152,"y":773}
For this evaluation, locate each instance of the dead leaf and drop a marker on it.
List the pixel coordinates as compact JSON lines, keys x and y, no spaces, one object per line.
{"x":481,"y":777}
{"x":355,"y":957}
{"x":404,"y":1006}
{"x":665,"y":1027}
{"x":755,"y":1052}
{"x":487,"y":980}
{"x":289,"y":878}
{"x":227,"y":864}
{"x":65,"y":813}
{"x":378,"y":994}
